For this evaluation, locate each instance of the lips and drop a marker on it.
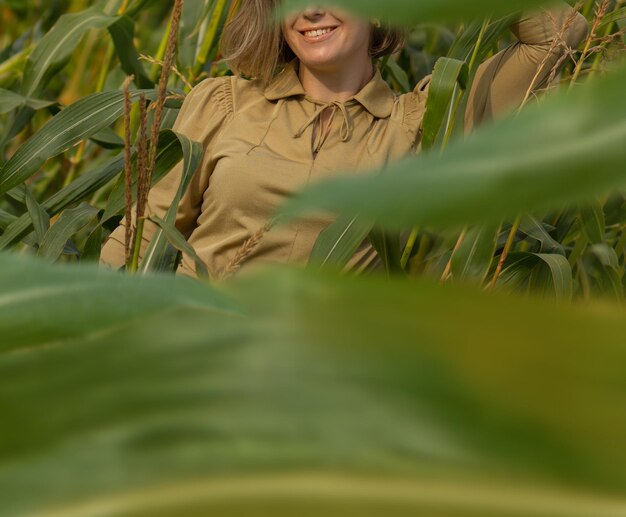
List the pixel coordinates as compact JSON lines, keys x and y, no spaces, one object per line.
{"x":314,"y":35}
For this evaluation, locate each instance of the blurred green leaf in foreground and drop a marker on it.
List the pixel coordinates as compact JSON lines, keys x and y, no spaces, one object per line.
{"x":285,"y":392}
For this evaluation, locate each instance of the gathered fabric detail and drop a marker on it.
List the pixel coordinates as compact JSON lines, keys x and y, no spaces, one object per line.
{"x":345,"y":131}
{"x":224,"y":95}
{"x":414,"y":108}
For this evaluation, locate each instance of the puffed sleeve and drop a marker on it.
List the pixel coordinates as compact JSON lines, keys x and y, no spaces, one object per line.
{"x":413,"y":109}
{"x":203,"y":115}
{"x":502,"y":82}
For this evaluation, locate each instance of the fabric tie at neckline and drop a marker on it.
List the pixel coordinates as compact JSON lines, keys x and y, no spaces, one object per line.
{"x":346,"y":126}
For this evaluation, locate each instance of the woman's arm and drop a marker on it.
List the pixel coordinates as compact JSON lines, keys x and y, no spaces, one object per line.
{"x":201,"y":117}
{"x":502,"y":82}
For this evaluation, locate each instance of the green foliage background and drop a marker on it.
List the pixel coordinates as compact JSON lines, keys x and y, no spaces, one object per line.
{"x":295,"y":391}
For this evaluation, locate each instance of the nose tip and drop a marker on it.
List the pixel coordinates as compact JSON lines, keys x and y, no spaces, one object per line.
{"x":313,"y":11}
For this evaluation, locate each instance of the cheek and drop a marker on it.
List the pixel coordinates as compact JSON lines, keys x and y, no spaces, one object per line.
{"x":359,"y":36}
{"x":287,"y":35}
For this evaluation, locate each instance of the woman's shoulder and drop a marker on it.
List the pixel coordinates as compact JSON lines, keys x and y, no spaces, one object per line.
{"x":216,"y":91}
{"x":232,"y":93}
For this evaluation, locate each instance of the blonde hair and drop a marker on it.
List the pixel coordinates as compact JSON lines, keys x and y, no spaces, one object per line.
{"x":252,"y":42}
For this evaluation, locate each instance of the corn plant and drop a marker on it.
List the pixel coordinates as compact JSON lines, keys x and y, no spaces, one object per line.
{"x":303,"y":391}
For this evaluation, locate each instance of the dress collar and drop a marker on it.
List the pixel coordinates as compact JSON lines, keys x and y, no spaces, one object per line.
{"x":376,"y":96}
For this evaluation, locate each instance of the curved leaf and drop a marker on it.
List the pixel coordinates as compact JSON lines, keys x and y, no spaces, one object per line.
{"x":38,"y":215}
{"x":448,"y":73}
{"x":475,"y":254}
{"x":338,"y":242}
{"x":155,"y":256}
{"x":294,"y":407}
{"x":10,"y":101}
{"x":560,"y":275}
{"x":67,"y":225}
{"x":178,"y":241}
{"x":535,"y":229}
{"x":86,"y":184}
{"x":57,"y":45}
{"x":75,"y":123}
{"x":123,"y":35}
{"x":593,"y":223}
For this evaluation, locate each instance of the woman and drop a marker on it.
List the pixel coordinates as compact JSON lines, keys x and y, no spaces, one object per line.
{"x":327,"y":110}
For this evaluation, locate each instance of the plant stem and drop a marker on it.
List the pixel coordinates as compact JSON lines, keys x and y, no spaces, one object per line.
{"x":134,"y":263}
{"x":600,"y":13}
{"x":408,"y":248}
{"x":74,"y":162}
{"x":160,"y":52}
{"x":123,"y":7}
{"x":448,"y":268}
{"x":505,"y":252}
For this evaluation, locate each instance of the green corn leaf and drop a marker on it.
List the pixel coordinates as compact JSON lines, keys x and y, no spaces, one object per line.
{"x":10,"y":101}
{"x":558,"y":272}
{"x":57,"y":45}
{"x":155,"y":257}
{"x":537,"y":230}
{"x":464,"y":45}
{"x":397,"y":73}
{"x":20,"y":120}
{"x":473,"y":258}
{"x":169,"y":154}
{"x":540,"y":272}
{"x":108,"y":139}
{"x":593,"y":223}
{"x":93,"y":246}
{"x":605,"y":254}
{"x":6,"y":219}
{"x":517,"y":164}
{"x":79,"y":189}
{"x":296,"y":406}
{"x":75,"y":123}
{"x":38,"y":215}
{"x":48,"y":305}
{"x":338,"y":242}
{"x":178,"y":241}
{"x":138,"y":6}
{"x":388,"y":247}
{"x":601,"y":266}
{"x":447,"y":75}
{"x":610,"y":283}
{"x":123,"y":35}
{"x":68,"y":224}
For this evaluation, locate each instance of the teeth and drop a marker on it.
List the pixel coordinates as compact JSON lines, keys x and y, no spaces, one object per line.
{"x":316,"y":33}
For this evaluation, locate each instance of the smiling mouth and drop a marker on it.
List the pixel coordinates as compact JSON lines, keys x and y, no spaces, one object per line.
{"x":317,"y":33}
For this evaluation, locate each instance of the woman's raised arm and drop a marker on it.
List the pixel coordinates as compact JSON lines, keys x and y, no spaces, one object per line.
{"x":502,"y":82}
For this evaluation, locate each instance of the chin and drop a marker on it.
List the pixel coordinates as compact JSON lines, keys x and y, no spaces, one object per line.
{"x":322,"y":63}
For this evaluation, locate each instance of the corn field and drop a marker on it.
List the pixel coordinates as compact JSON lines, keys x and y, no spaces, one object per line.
{"x":478,"y":374}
